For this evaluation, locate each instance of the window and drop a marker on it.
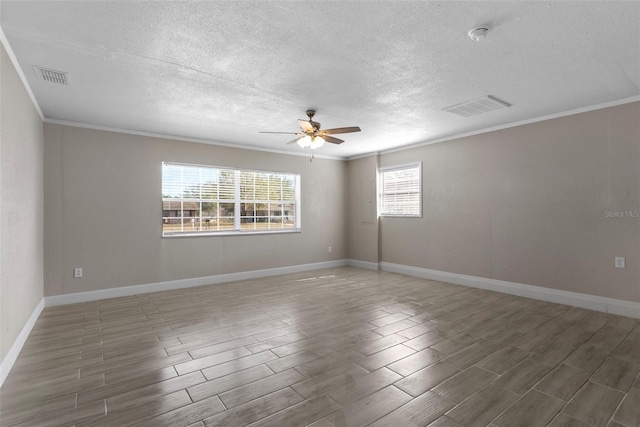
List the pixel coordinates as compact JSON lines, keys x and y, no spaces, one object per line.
{"x":400,"y":189}
{"x":200,"y":200}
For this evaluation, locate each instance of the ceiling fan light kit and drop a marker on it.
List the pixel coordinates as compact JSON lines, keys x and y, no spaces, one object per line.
{"x":312,"y":136}
{"x":312,"y":142}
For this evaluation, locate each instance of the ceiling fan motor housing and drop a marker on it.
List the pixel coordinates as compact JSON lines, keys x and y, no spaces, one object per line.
{"x":310,"y":114}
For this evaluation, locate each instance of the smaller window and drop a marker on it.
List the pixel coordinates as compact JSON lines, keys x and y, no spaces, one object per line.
{"x":400,"y":190}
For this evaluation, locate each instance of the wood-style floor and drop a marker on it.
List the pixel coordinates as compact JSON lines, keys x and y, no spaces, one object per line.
{"x":338,"y":347}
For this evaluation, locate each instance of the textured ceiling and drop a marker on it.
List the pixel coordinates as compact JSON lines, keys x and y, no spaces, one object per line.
{"x":222,"y":71}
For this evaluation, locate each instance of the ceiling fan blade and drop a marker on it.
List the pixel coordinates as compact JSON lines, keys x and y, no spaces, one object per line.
{"x":332,"y":139}
{"x":305,"y":125}
{"x":295,"y":140}
{"x":288,"y":133}
{"x":340,"y":130}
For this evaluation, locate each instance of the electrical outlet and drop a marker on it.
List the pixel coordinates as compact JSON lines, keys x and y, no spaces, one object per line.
{"x":329,"y":249}
{"x":77,"y":273}
{"x":619,"y":262}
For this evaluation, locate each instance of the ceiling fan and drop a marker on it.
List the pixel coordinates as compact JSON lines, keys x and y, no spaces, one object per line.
{"x":312,"y":136}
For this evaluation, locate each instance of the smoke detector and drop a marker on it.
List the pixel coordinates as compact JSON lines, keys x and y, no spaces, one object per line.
{"x":478,"y":34}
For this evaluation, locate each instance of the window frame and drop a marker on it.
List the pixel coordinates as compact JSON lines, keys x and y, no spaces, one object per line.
{"x":380,"y":185}
{"x":237,"y":201}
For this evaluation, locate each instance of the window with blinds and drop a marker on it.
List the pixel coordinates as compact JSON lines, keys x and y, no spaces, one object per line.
{"x":208,"y":200}
{"x":400,"y":190}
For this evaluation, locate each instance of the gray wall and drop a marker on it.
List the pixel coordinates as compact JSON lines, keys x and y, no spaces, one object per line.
{"x":363,"y":222}
{"x":21,"y":205}
{"x":527,"y":204}
{"x":103,"y":212}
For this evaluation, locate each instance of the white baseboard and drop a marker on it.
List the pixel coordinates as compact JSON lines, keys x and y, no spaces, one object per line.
{"x":363,"y":264}
{"x":11,"y":357}
{"x":591,"y":302}
{"x":124,"y":291}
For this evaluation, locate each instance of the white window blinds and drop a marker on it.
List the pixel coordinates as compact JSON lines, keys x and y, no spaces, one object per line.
{"x":400,"y":190}
{"x":267,"y":200}
{"x":203,"y":200}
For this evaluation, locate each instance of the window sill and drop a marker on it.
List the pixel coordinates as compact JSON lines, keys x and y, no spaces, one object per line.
{"x":229,"y":233}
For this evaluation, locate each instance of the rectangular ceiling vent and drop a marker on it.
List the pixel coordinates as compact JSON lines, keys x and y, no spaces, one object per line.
{"x":477,"y":106}
{"x":52,"y":76}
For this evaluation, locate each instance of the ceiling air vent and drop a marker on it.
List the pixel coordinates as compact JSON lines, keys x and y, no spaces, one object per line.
{"x":477,"y":106}
{"x":52,"y":76}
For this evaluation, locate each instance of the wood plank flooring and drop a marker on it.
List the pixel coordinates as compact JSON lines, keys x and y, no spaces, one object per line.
{"x":336,"y":347}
